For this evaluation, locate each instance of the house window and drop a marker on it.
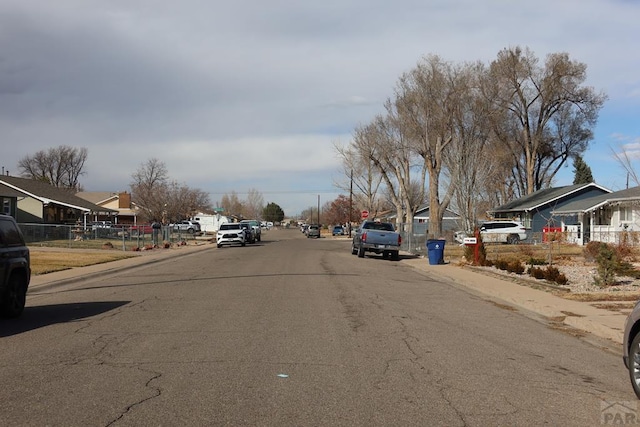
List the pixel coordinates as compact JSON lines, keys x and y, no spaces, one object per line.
{"x":626,"y":214}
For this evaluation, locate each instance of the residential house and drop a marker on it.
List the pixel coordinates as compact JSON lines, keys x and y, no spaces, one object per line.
{"x":450,"y":221}
{"x":611,"y":218}
{"x":33,"y":201}
{"x":125,"y":209}
{"x":536,"y":210}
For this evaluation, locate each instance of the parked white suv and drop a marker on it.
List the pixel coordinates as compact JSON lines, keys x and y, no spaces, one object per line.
{"x":231,"y":233}
{"x":511,"y":232}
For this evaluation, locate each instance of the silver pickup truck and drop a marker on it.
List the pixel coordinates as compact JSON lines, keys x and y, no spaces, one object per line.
{"x":377,"y":237}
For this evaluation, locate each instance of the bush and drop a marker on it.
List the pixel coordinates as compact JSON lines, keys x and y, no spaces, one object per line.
{"x":607,"y":261}
{"x":551,"y":274}
{"x":515,"y":267}
{"x":537,"y":272}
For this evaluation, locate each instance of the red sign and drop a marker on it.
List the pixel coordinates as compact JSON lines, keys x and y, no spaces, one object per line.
{"x":365,"y":214}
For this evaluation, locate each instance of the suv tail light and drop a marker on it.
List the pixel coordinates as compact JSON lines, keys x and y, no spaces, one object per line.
{"x":364,"y":237}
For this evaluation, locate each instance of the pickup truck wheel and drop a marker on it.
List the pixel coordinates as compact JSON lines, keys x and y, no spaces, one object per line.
{"x":353,"y":250}
{"x":395,"y":255}
{"x":244,"y":244}
{"x":15,"y":296}
{"x":360,"y":252}
{"x":385,"y":255}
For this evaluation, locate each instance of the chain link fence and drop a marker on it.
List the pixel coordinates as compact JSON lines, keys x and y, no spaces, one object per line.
{"x":125,"y":237}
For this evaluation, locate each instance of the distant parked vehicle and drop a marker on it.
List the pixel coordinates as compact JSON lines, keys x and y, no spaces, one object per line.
{"x":190,"y":227}
{"x":337,"y":230}
{"x":511,"y":232}
{"x":231,"y":233}
{"x":257,"y":230}
{"x":376,"y":237}
{"x":313,"y":231}
{"x":249,"y":232}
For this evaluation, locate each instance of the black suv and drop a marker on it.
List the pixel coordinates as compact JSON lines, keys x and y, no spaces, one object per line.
{"x":15,"y":268}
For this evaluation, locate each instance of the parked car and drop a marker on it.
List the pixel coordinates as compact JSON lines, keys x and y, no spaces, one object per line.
{"x":190,"y":227}
{"x":15,"y":268}
{"x":510,"y":232}
{"x":376,"y":237}
{"x":337,"y":230}
{"x":230,"y":233}
{"x":257,"y":230}
{"x":631,"y":347}
{"x":249,"y":232}
{"x":313,"y":231}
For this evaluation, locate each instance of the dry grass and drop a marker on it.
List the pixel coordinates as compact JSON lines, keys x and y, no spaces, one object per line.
{"x":48,"y":261}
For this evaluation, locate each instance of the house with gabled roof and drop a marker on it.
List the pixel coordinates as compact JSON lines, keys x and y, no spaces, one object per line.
{"x":126,"y":210}
{"x":610,"y":218}
{"x":33,"y":201}
{"x":536,"y":210}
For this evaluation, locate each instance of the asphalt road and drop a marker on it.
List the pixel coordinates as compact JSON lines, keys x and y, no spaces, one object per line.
{"x":293,"y":332}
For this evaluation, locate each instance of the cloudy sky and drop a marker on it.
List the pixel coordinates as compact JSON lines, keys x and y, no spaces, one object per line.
{"x":255,"y":94}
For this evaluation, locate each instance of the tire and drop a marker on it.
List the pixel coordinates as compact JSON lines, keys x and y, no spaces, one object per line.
{"x":219,"y":245}
{"x":360,"y":252}
{"x":259,"y":237}
{"x":244,"y":244}
{"x":385,"y":255}
{"x":513,"y":239}
{"x":15,"y":296}
{"x":395,"y":255}
{"x":353,"y":250}
{"x":190,"y":230}
{"x":634,"y":364}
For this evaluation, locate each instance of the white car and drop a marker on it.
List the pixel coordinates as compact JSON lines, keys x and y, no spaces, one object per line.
{"x":511,"y":232}
{"x":231,"y":233}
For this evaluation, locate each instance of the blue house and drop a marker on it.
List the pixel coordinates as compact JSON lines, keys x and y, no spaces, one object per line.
{"x":537,"y":210}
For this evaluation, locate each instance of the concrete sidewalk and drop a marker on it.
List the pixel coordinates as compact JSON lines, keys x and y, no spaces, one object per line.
{"x":583,"y":316}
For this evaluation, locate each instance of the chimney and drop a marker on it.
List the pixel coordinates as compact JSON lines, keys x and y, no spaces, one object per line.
{"x":124,"y":200}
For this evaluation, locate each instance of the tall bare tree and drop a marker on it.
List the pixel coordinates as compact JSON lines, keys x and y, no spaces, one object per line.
{"x":546,"y":113}
{"x":254,"y":205}
{"x":360,"y":176}
{"x":427,"y":105}
{"x":232,"y":204}
{"x":60,"y":166}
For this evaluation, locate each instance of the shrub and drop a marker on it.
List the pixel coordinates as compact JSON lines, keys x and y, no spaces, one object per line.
{"x":536,"y":261}
{"x":515,"y":267}
{"x":607,"y":265}
{"x":551,"y":273}
{"x":537,"y":272}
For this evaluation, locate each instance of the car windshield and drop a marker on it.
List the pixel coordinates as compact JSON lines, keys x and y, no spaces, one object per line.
{"x":230,"y":226}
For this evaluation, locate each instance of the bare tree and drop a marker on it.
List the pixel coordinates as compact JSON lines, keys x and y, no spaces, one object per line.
{"x":625,"y":159}
{"x":362,"y":178}
{"x":162,"y":199}
{"x":545,"y":113}
{"x":231,"y":204}
{"x":427,"y":105}
{"x":60,"y":166}
{"x":254,"y":204}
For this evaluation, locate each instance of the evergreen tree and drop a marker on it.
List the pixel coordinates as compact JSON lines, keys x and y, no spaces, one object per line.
{"x":582,"y":171}
{"x":273,"y":212}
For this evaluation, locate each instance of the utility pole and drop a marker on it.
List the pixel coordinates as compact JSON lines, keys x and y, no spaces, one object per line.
{"x":350,"y":202}
{"x":318,"y":210}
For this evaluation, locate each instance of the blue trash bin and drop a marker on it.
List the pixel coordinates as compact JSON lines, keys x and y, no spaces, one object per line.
{"x":435,"y":250}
